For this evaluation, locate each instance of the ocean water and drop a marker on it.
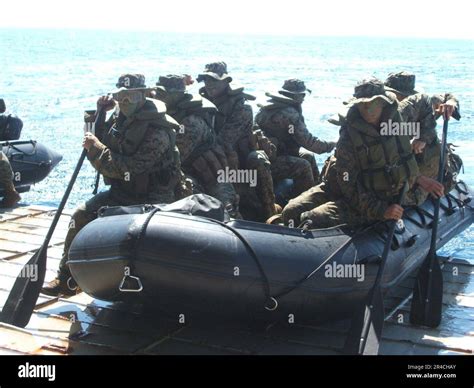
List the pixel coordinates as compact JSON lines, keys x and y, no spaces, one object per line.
{"x":49,"y":77}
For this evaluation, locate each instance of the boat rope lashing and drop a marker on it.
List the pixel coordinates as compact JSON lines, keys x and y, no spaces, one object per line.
{"x":459,"y":201}
{"x":344,"y":245}
{"x":13,"y":146}
{"x":412,"y":240}
{"x":424,"y":214}
{"x":128,"y":268}
{"x":400,"y":228}
{"x":423,"y":222}
{"x":271,"y":304}
{"x":39,"y":164}
{"x":14,"y":156}
{"x":462,"y":191}
{"x":449,"y":209}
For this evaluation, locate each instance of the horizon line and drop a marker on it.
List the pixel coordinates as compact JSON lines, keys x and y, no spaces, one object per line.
{"x":234,"y":33}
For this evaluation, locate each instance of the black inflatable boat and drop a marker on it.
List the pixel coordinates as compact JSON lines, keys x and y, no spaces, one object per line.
{"x":241,"y":271}
{"x":31,"y":162}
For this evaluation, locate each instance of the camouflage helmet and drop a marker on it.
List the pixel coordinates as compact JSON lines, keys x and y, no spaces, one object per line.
{"x":294,"y":86}
{"x":370,"y":89}
{"x":402,"y":83}
{"x":172,"y":83}
{"x":216,"y":70}
{"x":131,"y":81}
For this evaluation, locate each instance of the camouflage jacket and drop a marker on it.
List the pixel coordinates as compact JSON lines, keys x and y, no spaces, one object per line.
{"x":418,"y":108}
{"x":234,"y":120}
{"x":138,"y":156}
{"x":281,"y":119}
{"x":195,"y":116}
{"x":345,"y":180}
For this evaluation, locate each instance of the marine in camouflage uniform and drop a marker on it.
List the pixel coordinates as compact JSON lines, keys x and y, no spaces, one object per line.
{"x":282,"y":121}
{"x":201,"y":156}
{"x":243,"y":148}
{"x":420,"y":108}
{"x":11,"y":197}
{"x":359,"y":187}
{"x":138,"y":158}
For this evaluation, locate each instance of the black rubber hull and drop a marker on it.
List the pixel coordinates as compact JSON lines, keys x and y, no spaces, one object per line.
{"x":196,"y":267}
{"x":31,"y":162}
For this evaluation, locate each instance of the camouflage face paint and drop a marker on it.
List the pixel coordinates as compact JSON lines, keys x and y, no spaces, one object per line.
{"x":127,"y":108}
{"x":214,"y":87}
{"x":372,"y":111}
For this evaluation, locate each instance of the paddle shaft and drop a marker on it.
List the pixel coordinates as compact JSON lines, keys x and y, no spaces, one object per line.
{"x":434,"y":232}
{"x":97,"y":176}
{"x":442,"y":159}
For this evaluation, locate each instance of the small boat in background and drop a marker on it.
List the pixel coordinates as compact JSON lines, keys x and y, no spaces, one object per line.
{"x":31,"y":162}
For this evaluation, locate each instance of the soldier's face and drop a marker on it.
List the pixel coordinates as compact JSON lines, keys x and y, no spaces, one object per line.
{"x":400,"y":97}
{"x":129,"y":108}
{"x":215,"y":88}
{"x":130,"y":100}
{"x":171,"y":98}
{"x":299,"y":98}
{"x":372,"y":111}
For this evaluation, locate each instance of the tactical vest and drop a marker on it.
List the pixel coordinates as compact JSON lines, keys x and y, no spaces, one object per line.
{"x":385,"y":162}
{"x":226,"y":103}
{"x":195,"y":105}
{"x":189,"y":104}
{"x":125,"y":138}
{"x":285,"y":139}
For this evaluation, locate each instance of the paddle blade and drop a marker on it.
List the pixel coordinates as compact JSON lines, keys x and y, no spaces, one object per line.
{"x":366,"y":328}
{"x":24,"y":294}
{"x":374,"y":321}
{"x":427,"y":302}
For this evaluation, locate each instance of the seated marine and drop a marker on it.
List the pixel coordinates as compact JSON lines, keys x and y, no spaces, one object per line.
{"x":282,"y":121}
{"x":136,"y":155}
{"x":368,"y":170}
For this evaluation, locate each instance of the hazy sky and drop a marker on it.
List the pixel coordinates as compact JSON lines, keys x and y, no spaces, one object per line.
{"x":435,"y":18}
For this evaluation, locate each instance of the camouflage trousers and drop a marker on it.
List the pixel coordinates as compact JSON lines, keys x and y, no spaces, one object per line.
{"x":309,"y":156}
{"x":317,"y":205}
{"x":301,"y":169}
{"x":258,"y":203}
{"x":84,"y":214}
{"x":6,"y":173}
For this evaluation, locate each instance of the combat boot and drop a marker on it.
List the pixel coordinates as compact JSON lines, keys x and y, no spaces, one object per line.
{"x":11,"y":197}
{"x":61,"y":286}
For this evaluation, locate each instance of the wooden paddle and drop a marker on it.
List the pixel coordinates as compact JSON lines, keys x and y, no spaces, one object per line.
{"x":23,"y":297}
{"x":367,"y":323}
